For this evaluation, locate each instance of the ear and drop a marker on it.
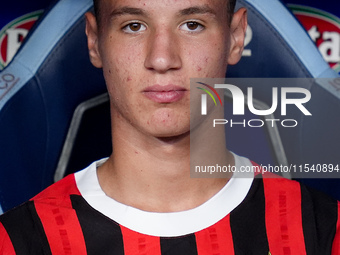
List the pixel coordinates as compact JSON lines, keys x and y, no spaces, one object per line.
{"x":238,"y":29}
{"x":92,"y":39}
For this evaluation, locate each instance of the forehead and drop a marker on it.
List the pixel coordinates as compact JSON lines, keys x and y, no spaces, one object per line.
{"x":163,"y":7}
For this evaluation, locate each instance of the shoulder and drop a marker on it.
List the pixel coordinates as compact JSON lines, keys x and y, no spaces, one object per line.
{"x":302,"y":214}
{"x":24,"y":227}
{"x":55,"y":196}
{"x":315,"y":202}
{"x":65,"y":187}
{"x":302,"y":209}
{"x":296,"y":190}
{"x":20,"y":225}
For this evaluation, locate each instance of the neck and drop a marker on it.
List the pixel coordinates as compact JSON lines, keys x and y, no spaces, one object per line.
{"x":153,"y":174}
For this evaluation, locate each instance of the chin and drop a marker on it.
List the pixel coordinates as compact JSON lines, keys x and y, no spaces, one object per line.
{"x":175,"y":139}
{"x":168,"y":132}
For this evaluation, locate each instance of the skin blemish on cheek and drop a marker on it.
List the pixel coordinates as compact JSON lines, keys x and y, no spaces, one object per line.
{"x":199,"y":68}
{"x":129,"y":79}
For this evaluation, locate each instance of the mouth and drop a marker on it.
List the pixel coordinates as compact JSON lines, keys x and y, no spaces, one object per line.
{"x":164,"y":94}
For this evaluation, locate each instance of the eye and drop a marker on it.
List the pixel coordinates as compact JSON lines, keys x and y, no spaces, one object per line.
{"x":192,"y":26}
{"x":134,"y":27}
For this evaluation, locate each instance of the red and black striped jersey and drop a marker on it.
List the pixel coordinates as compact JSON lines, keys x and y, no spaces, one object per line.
{"x":248,"y":216}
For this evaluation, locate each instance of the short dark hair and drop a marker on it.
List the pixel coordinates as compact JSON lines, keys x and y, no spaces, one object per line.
{"x":96,"y":7}
{"x":230,"y":7}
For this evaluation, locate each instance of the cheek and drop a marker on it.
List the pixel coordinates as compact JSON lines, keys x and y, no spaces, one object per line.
{"x":118,"y":81}
{"x":209,"y":61}
{"x":121,"y":60}
{"x":118,"y":71}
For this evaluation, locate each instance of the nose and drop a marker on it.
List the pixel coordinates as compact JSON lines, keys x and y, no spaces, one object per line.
{"x":163,"y":52}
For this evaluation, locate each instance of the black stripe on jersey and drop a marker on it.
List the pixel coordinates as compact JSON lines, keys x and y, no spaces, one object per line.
{"x":179,"y":245}
{"x":26,"y":230}
{"x":102,"y":235}
{"x":318,"y":230}
{"x":247,"y":222}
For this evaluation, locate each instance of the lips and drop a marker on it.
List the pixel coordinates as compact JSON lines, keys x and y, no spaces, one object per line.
{"x":164,"y":94}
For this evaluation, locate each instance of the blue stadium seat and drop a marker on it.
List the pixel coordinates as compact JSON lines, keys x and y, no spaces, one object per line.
{"x":39,"y":91}
{"x":54,"y":116}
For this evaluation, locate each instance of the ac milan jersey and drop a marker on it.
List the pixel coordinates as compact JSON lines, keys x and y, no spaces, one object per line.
{"x":248,"y":216}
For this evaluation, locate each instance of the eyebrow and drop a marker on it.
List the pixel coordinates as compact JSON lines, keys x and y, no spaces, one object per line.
{"x":127,"y":11}
{"x":204,"y":9}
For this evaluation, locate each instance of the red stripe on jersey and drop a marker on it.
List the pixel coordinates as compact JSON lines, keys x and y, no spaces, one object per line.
{"x":336,"y":241}
{"x":283,"y":217}
{"x":217,"y":239}
{"x":59,"y":219}
{"x":139,"y":244}
{"x":60,"y":189}
{"x":6,"y":246}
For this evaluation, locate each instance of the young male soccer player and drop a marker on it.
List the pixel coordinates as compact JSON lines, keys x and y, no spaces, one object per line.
{"x":142,"y":200}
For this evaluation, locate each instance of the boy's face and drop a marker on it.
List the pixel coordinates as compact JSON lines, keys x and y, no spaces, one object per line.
{"x":149,"y":50}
